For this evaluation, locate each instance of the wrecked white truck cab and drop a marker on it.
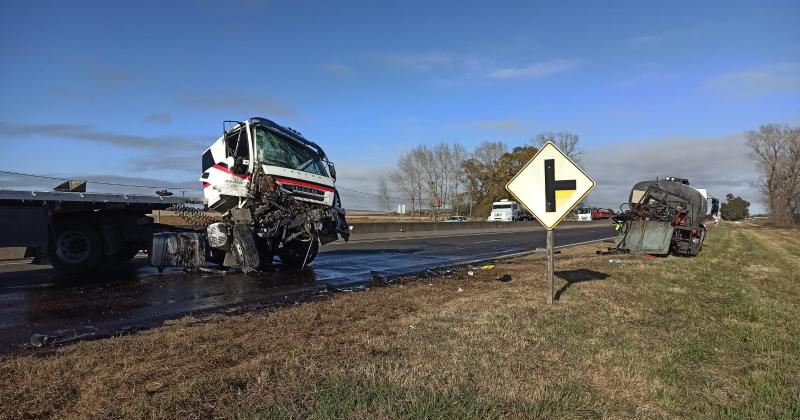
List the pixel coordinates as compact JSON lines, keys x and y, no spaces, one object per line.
{"x":276,"y":192}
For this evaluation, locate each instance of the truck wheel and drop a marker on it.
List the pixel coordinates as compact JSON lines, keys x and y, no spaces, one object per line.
{"x":295,"y":254}
{"x":77,"y":247}
{"x":244,"y":249}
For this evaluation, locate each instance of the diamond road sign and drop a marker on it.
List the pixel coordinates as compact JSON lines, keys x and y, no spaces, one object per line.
{"x":550,"y":185}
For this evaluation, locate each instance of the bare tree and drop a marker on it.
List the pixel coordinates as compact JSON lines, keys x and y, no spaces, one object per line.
{"x":409,"y":179}
{"x":383,"y":192}
{"x":776,"y":150}
{"x":567,"y":142}
{"x":458,"y":154}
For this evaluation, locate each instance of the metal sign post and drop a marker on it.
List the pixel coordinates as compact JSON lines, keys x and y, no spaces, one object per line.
{"x":550,"y":267}
{"x":549,"y":186}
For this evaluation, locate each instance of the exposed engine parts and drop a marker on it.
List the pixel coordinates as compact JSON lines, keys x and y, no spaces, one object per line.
{"x":275,"y":192}
{"x":194,"y":216}
{"x":663,"y":217}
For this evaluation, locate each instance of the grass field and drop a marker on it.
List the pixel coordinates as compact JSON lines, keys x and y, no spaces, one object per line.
{"x":712,"y":336}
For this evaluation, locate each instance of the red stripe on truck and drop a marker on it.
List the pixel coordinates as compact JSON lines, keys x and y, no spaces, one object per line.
{"x":228,"y":171}
{"x":304,"y":184}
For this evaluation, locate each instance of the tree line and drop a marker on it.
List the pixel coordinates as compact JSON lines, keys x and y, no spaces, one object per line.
{"x":446,"y":177}
{"x":776,"y":150}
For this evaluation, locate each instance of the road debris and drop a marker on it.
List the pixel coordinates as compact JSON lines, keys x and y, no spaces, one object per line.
{"x":487,"y":267}
{"x":460,"y":290}
{"x":470,"y":273}
{"x":504,"y":278}
{"x":62,"y":337}
{"x":355,"y":288}
{"x":615,"y":261}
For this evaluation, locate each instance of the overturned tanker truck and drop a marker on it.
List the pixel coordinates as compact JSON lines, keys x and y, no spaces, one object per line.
{"x":275,"y":191}
{"x":663,"y":217}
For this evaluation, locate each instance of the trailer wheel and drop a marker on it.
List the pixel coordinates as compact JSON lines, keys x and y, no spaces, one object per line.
{"x":294,"y":255}
{"x":77,"y":247}
{"x":244,"y":248}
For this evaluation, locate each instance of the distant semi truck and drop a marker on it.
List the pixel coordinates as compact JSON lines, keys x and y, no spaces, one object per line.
{"x":584,"y":214}
{"x":508,"y":211}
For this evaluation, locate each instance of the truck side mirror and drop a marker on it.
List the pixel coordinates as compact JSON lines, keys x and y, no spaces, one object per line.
{"x":332,"y":170}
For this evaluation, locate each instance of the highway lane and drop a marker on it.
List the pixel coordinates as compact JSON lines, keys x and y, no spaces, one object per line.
{"x":37,"y":299}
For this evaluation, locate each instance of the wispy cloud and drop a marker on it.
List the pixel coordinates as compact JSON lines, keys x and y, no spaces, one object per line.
{"x":238,"y":102}
{"x":111,"y":77}
{"x":761,"y":81}
{"x":508,"y":125}
{"x":443,"y":68}
{"x":89,"y":133}
{"x":535,"y":70}
{"x":726,"y":167}
{"x":159,"y":118}
{"x":418,"y":62}
{"x":338,"y":69}
{"x":645,"y":78}
{"x":646,"y":40}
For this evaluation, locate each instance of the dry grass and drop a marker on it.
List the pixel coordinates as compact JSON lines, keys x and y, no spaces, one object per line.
{"x":713,"y":336}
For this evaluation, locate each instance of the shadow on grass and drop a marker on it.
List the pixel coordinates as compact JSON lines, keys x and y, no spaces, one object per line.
{"x":577,"y":276}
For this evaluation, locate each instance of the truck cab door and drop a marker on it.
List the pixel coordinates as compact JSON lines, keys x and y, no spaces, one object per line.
{"x":237,"y":147}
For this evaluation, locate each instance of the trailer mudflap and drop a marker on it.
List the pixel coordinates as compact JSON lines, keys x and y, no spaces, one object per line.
{"x":647,"y":236}
{"x":24,"y":227}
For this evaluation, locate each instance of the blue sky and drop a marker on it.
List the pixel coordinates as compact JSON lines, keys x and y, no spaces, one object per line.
{"x":136,"y":92}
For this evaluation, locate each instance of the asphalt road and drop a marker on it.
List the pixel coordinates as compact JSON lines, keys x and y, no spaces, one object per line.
{"x":38,"y":300}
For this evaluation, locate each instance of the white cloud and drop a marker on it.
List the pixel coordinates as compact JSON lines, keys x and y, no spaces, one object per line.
{"x":535,"y":70}
{"x":249,"y":104}
{"x":418,"y":62}
{"x":646,"y":40}
{"x":159,"y":118}
{"x":761,"y":81}
{"x":720,"y":165}
{"x":338,"y":69}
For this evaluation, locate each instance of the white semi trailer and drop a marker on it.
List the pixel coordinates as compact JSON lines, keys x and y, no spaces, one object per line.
{"x":274,"y":188}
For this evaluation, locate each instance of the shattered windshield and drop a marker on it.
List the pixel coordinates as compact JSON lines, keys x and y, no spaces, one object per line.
{"x":276,"y":150}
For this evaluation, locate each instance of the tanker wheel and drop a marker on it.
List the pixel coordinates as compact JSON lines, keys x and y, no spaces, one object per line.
{"x":244,"y":249}
{"x":76,"y":248}
{"x":294,"y":255}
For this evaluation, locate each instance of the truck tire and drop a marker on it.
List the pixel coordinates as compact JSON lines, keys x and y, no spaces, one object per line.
{"x":294,"y":255}
{"x":244,"y":249}
{"x":76,"y":248}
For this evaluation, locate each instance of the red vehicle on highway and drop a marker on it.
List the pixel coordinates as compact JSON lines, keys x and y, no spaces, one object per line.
{"x":600,"y":214}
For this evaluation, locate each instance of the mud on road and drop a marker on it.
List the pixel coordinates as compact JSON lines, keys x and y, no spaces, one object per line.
{"x":38,"y":302}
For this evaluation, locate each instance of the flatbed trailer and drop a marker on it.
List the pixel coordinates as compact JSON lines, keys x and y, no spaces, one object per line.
{"x":79,"y":231}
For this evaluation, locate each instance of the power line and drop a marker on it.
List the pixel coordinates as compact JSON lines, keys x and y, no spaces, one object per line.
{"x":366,"y":193}
{"x":100,"y":182}
{"x":167,"y":187}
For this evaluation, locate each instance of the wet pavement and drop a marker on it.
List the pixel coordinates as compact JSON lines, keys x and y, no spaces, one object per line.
{"x":39,"y":300}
